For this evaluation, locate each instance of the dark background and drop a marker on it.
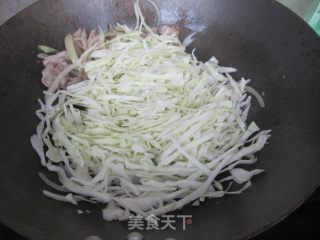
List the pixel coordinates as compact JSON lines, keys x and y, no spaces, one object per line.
{"x":304,"y":223}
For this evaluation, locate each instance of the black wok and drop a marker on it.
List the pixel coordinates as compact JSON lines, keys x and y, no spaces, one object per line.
{"x":266,"y":42}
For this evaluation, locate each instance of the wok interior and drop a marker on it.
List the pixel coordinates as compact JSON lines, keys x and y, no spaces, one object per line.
{"x":261,"y":39}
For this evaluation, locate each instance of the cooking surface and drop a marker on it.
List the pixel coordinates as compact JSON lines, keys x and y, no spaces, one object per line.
{"x":301,"y":224}
{"x":268,"y":54}
{"x":304,"y":8}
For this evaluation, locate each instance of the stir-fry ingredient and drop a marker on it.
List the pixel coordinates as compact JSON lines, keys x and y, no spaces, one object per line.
{"x":133,"y":121}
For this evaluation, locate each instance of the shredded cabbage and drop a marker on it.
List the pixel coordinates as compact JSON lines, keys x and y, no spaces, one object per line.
{"x":150,"y":130}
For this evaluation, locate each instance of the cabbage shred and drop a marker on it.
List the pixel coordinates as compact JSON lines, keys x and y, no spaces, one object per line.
{"x":150,"y":130}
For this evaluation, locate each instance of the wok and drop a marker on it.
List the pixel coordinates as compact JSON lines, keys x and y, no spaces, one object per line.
{"x":266,"y":42}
